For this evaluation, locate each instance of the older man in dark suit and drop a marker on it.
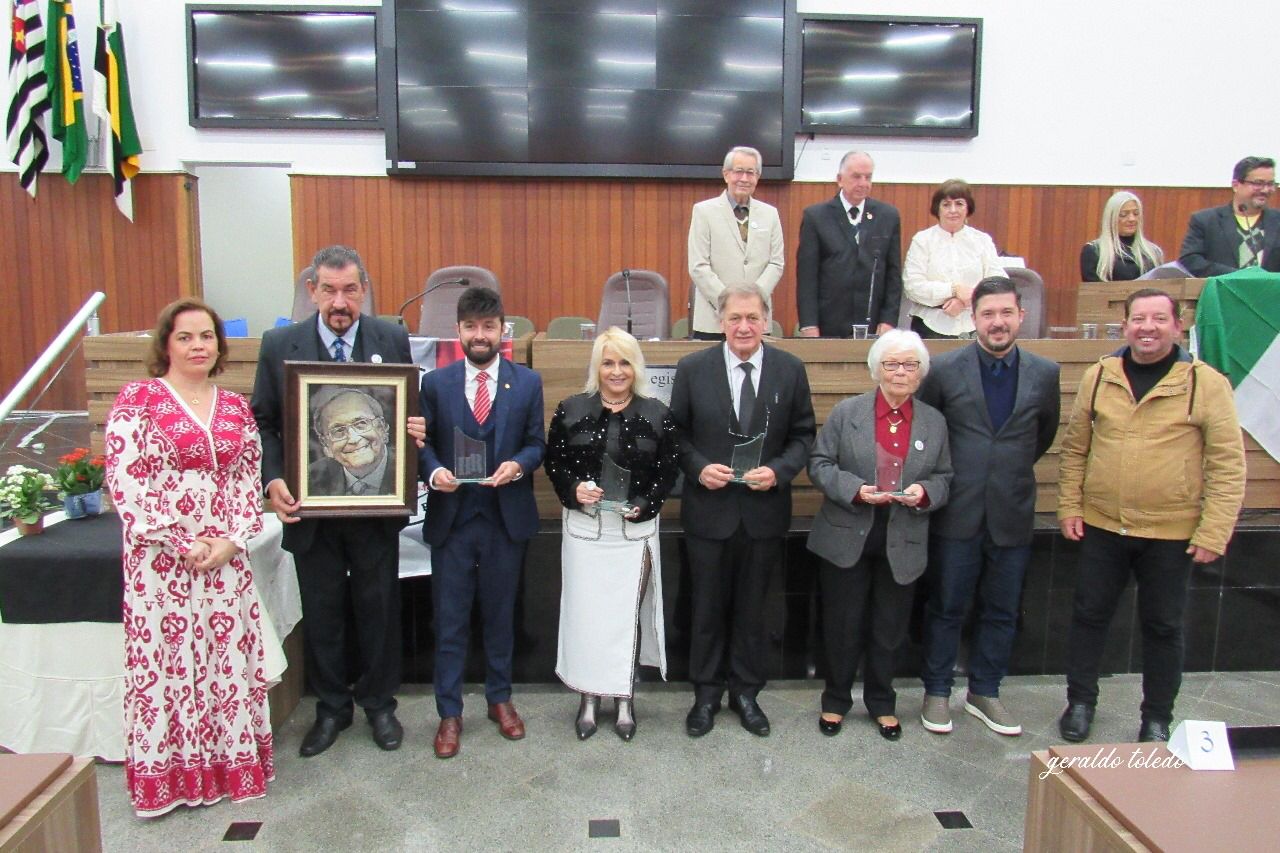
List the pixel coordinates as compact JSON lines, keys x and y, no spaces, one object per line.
{"x":849,"y":264}
{"x":733,"y":530}
{"x":344,"y":563}
{"x":478,"y":531}
{"x":1241,"y":234}
{"x":1001,"y":404}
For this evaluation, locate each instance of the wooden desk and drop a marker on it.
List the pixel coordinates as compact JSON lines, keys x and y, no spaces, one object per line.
{"x":1102,"y":302}
{"x":62,"y":817}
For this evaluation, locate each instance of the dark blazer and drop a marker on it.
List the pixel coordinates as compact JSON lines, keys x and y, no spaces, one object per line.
{"x":844,"y":460}
{"x":841,"y":281}
{"x":994,"y":477}
{"x":1212,"y":243}
{"x":702,"y":406}
{"x":650,"y":450}
{"x":518,"y":436}
{"x":300,"y":341}
{"x":325,"y":476}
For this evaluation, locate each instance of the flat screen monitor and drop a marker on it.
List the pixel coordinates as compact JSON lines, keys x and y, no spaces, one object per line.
{"x":878,"y":76}
{"x":282,"y":66}
{"x":644,"y":88}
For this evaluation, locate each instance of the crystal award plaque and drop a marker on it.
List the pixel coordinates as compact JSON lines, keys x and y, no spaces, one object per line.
{"x":746,"y":457}
{"x":888,"y":472}
{"x":615,"y":481}
{"x":470,"y":458}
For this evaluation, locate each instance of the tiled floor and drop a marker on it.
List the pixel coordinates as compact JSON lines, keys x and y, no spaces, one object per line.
{"x":793,"y":791}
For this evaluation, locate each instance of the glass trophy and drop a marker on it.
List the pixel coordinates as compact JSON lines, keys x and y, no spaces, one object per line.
{"x":470,"y":458}
{"x":746,"y":457}
{"x":615,"y":481}
{"x":888,"y":472}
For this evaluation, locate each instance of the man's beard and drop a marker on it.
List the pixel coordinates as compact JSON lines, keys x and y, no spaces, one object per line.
{"x":468,"y":350}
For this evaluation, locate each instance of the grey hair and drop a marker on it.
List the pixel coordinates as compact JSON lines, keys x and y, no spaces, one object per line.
{"x":1146,"y":254}
{"x":745,"y":288}
{"x":338,"y":257}
{"x":628,"y":348}
{"x":891,"y":341}
{"x":850,"y":154}
{"x":326,"y":397}
{"x":743,"y":149}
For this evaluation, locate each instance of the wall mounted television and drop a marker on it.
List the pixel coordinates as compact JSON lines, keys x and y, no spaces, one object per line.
{"x":604,"y":88}
{"x":879,"y":76}
{"x":282,"y":66}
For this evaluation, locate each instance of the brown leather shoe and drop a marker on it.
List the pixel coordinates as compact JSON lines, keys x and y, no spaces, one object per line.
{"x":447,"y":737}
{"x":509,"y":722}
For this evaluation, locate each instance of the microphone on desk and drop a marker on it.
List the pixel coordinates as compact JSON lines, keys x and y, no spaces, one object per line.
{"x":462,"y":282}
{"x":626,"y":280}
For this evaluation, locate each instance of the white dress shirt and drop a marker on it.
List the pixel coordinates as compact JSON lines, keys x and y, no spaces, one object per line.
{"x":733,"y":369}
{"x":327,"y":337}
{"x":936,"y":261}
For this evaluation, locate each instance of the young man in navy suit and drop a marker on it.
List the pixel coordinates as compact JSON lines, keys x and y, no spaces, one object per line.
{"x":478,"y":531}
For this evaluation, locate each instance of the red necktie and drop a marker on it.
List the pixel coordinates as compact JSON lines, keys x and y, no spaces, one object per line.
{"x":482,"y":404}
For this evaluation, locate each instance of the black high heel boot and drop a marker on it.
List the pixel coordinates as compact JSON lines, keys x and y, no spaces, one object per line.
{"x":586,"y":724}
{"x":625,"y":725}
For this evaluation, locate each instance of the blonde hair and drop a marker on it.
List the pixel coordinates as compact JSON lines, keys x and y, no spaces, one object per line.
{"x":1146,"y":255}
{"x":627,"y":348}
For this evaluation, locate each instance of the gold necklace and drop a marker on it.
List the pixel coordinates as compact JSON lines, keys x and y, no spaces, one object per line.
{"x":622,"y":402}
{"x":893,"y":427}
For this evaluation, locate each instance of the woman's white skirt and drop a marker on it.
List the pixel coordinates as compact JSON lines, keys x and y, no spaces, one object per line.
{"x":609,"y":615}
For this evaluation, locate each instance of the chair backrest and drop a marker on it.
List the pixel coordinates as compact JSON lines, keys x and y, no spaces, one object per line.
{"x":303,"y":307}
{"x":650,"y":306}
{"x":680,"y":329}
{"x":1173,"y":269}
{"x":1030,"y":287}
{"x":566,"y":328}
{"x":775,"y":329}
{"x":520,"y":326}
{"x":438,"y":314}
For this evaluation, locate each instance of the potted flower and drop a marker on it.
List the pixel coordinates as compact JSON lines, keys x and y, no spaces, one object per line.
{"x":22,"y":497}
{"x":79,"y":478}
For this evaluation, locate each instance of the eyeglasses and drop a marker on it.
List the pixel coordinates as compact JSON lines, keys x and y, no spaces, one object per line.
{"x":1261,"y":185}
{"x":743,"y":173}
{"x":892,"y":366}
{"x":344,"y":432}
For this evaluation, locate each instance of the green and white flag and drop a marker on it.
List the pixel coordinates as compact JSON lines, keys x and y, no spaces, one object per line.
{"x":1237,"y":331}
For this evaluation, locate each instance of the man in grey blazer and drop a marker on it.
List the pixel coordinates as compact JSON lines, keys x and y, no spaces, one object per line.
{"x":1244,"y":233}
{"x":733,"y":239}
{"x":1002,"y":406}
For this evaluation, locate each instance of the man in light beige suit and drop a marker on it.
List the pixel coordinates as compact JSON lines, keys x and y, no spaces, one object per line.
{"x":733,"y":239}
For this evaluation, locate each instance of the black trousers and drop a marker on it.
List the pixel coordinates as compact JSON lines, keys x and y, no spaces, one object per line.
{"x":1162,"y":569}
{"x":728,"y":579}
{"x":865,"y":613}
{"x":371,"y":591}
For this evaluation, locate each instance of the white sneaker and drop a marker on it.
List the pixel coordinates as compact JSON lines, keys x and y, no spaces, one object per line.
{"x":936,"y":714}
{"x":991,"y":711}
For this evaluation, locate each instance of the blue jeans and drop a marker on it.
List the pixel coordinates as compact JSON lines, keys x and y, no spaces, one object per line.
{"x":990,"y":576}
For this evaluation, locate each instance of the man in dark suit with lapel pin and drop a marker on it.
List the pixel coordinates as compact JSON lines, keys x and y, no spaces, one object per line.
{"x":478,"y":531}
{"x":343,"y":563}
{"x":1244,"y":233}
{"x":1002,"y":405}
{"x":733,"y":531}
{"x":849,"y":264}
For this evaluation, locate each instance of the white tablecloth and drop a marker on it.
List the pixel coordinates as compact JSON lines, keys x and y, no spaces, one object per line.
{"x":62,"y":684}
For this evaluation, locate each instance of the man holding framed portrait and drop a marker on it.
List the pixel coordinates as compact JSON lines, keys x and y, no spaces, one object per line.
{"x":354,"y":383}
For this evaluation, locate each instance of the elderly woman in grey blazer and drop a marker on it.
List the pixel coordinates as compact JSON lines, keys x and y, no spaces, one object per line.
{"x":883,"y":464}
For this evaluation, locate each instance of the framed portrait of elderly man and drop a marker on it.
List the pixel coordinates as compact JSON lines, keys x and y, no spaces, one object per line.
{"x":349,"y":453}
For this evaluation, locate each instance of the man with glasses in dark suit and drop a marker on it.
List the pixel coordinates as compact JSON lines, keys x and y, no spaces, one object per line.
{"x":1244,"y":233}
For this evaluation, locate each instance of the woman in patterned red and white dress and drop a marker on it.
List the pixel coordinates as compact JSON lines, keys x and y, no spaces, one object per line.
{"x":183,"y":460}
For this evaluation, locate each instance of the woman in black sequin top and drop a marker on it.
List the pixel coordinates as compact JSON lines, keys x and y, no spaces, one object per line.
{"x":611,"y":598}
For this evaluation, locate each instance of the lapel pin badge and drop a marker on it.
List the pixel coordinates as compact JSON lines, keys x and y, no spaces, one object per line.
{"x":376,"y":359}
{"x":868,"y":216}
{"x":919,"y":444}
{"x":506,"y":386}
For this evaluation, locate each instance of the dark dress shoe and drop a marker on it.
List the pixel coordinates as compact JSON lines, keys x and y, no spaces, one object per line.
{"x":585,"y":725}
{"x":625,"y":724}
{"x":448,"y":736}
{"x":509,"y":722}
{"x":701,"y":719}
{"x":322,"y":735}
{"x":830,"y":728}
{"x":387,"y":731}
{"x":1152,"y":731}
{"x":1075,"y":722}
{"x":626,"y":731}
{"x":890,"y":731}
{"x":753,"y":719}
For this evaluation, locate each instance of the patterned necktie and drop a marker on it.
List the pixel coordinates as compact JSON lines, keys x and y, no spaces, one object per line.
{"x":741,"y":212}
{"x":746,"y":397}
{"x":339,"y":354}
{"x":482,"y":404}
{"x":359,"y":487}
{"x":854,"y":222}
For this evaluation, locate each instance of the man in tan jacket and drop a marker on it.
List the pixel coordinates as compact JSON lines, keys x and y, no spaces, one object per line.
{"x":1151,"y":481}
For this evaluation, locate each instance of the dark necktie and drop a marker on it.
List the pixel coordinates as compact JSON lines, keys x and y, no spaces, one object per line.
{"x":339,"y":354}
{"x":854,"y":224}
{"x":746,"y":398}
{"x":741,"y":212}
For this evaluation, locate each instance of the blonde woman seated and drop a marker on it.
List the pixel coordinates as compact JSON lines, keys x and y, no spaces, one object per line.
{"x":611,"y":596}
{"x":1120,"y":253}
{"x":945,"y":263}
